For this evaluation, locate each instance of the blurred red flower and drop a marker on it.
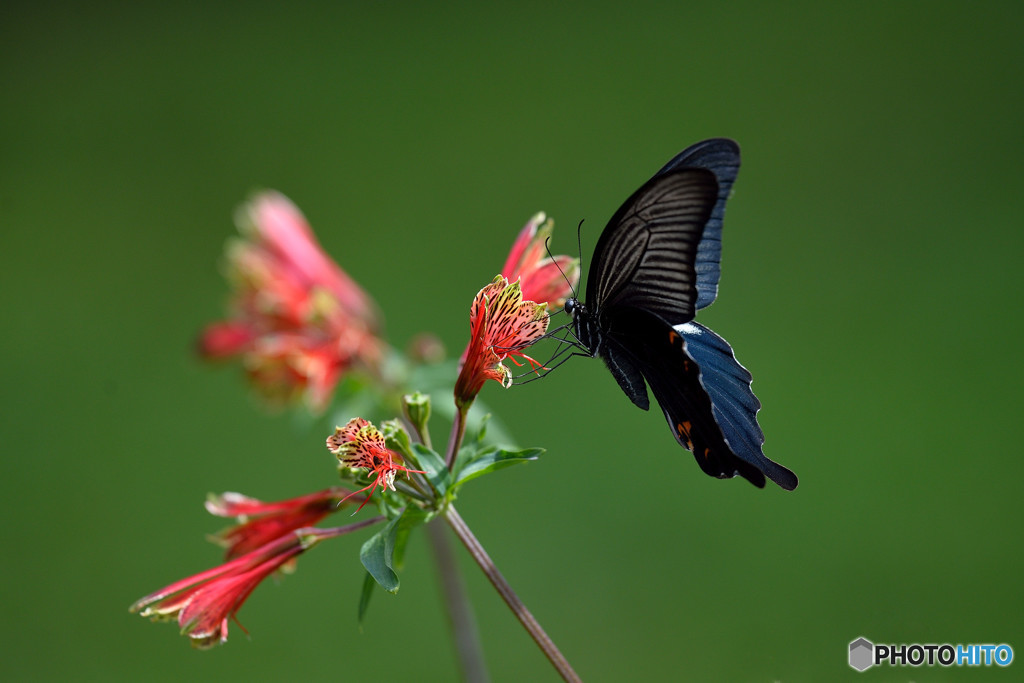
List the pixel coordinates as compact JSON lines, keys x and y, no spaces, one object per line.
{"x":297,"y":320}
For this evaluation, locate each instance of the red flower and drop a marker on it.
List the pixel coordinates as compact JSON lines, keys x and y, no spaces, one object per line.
{"x":360,"y":445}
{"x":502,"y":325}
{"x":226,"y":339}
{"x":543,"y":278}
{"x":262,"y":523}
{"x":506,"y":318}
{"x":203,"y":603}
{"x":299,"y":321}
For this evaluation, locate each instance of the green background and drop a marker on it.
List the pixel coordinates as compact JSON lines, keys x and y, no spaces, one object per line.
{"x":872,"y":283}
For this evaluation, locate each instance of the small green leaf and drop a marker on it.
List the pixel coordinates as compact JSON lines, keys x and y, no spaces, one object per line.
{"x":492,"y":429}
{"x":377,"y":556}
{"x":433,"y":464}
{"x":470,"y":453}
{"x":489,"y":461}
{"x":364,"y":597}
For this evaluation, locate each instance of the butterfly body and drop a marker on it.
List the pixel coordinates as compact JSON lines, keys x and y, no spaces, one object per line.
{"x":656,"y":263}
{"x":596,"y":336}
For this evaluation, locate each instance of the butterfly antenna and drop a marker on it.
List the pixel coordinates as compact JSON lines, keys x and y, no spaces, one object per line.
{"x":547,"y":248}
{"x":579,"y":244}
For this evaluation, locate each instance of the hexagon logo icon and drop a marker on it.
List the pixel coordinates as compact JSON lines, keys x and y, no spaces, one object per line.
{"x":862,"y":654}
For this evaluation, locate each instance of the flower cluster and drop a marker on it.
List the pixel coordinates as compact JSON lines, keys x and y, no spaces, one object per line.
{"x":298,"y":320}
{"x":360,"y":445}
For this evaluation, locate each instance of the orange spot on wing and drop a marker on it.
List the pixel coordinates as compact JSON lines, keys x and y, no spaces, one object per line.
{"x":684,"y":432}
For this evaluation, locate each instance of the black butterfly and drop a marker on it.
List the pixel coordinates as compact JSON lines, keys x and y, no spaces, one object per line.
{"x":656,"y":264}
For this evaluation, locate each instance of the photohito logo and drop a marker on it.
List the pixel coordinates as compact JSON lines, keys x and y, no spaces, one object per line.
{"x":864,"y":654}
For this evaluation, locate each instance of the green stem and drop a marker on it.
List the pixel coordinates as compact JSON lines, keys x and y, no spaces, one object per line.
{"x":460,"y":609}
{"x":333,"y":532}
{"x":528,"y":621}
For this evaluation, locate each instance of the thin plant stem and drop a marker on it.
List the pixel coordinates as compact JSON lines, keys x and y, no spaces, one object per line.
{"x":458,"y":431}
{"x":453,"y":590}
{"x":333,"y":532}
{"x":460,"y":609}
{"x":528,"y":621}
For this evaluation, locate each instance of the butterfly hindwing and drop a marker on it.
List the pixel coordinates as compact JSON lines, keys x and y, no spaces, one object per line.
{"x":645,"y":256}
{"x":734,"y":405}
{"x":625,"y":372}
{"x":660,"y":354}
{"x":722,"y":157}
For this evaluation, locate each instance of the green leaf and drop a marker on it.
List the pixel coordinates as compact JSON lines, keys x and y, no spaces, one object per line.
{"x":383,"y":552}
{"x":364,"y":597}
{"x":469,"y":453}
{"x":411,"y":518}
{"x":433,"y":464}
{"x":377,"y":556}
{"x":490,"y":460}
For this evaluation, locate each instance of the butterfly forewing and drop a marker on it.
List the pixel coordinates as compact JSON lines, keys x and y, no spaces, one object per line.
{"x":645,"y":257}
{"x":722,"y":157}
